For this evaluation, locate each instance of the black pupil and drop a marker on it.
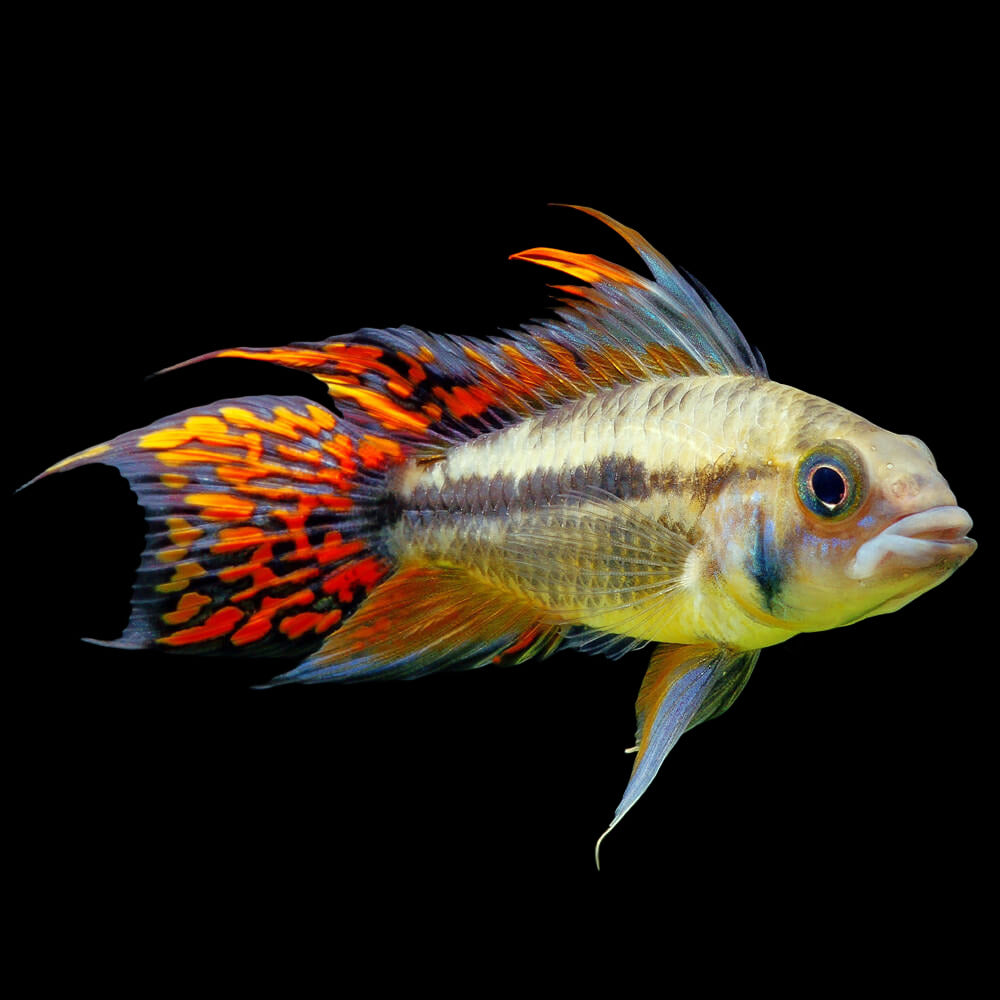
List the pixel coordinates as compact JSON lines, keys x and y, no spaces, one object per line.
{"x":829,"y":486}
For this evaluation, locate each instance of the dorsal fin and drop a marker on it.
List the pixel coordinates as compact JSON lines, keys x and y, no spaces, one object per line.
{"x":670,"y":323}
{"x":618,"y":328}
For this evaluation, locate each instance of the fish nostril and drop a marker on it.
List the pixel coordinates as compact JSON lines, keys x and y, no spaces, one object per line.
{"x":905,"y":486}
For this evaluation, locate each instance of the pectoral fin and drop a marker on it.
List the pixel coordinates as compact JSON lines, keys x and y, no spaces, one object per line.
{"x":683,"y":686}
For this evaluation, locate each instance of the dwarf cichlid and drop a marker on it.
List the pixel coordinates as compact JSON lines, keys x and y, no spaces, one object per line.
{"x":622,"y":473}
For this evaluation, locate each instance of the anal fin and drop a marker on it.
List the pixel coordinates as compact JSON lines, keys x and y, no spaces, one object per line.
{"x":426,"y":618}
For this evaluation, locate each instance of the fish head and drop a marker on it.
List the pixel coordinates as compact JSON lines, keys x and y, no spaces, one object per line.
{"x":869,"y":524}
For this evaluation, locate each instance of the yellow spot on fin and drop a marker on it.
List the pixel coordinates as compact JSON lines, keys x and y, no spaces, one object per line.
{"x":80,"y":456}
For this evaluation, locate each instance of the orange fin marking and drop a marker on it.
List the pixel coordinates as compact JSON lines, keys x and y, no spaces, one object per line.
{"x":182,"y":532}
{"x":312,"y":456}
{"x":532,"y":376}
{"x":171,"y":554}
{"x":264,"y":579}
{"x":378,"y":452}
{"x":361,"y":574}
{"x":167,"y":437}
{"x":221,"y":506}
{"x":260,"y":623}
{"x":295,"y":626}
{"x":671,"y":360}
{"x":258,"y":559}
{"x":363,"y":355}
{"x":565,"y":360}
{"x":523,"y":642}
{"x":584,"y":266}
{"x":187,"y":607}
{"x":221,"y":623}
{"x":233,"y":539}
{"x":389,"y":414}
{"x":614,"y":362}
{"x":188,"y":570}
{"x":292,"y":357}
{"x":465,"y":402}
{"x":415,"y":370}
{"x":334,"y":549}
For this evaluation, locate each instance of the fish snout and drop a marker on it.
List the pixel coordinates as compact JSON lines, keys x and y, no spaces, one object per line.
{"x":905,"y":479}
{"x":911,"y":490}
{"x":937,"y":537}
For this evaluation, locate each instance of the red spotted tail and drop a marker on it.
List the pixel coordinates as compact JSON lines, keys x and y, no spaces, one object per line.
{"x":263,"y":524}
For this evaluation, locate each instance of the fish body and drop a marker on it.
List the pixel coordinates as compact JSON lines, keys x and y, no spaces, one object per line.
{"x":702,"y":464}
{"x":624,"y":474}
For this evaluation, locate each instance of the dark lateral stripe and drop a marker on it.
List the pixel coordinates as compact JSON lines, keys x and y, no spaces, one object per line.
{"x":625,"y":478}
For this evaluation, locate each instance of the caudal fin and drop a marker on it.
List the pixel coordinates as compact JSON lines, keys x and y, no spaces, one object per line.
{"x":263,"y":524}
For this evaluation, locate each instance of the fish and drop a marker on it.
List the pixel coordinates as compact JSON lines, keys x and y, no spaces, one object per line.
{"x":622,"y":473}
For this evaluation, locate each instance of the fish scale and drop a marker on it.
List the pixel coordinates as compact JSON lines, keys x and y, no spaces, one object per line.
{"x":620,"y":474}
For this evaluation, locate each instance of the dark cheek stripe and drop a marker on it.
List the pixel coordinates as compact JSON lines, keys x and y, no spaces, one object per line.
{"x":764,"y":563}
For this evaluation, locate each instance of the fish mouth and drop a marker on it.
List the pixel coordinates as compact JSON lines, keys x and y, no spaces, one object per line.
{"x":934,"y":537}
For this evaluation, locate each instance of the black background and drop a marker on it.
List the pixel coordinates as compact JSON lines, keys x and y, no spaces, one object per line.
{"x":171,"y":213}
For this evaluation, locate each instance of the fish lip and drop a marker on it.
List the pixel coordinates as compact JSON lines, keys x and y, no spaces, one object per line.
{"x":938,"y":535}
{"x":941,"y":524}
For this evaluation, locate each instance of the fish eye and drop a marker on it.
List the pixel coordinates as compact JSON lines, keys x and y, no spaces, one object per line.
{"x":829,"y":481}
{"x":828,"y":485}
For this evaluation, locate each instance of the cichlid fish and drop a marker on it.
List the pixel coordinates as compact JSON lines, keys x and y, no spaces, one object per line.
{"x":621,"y":474}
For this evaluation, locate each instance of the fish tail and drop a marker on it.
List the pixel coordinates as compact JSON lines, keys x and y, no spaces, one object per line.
{"x":266,"y":524}
{"x":264,"y":519}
